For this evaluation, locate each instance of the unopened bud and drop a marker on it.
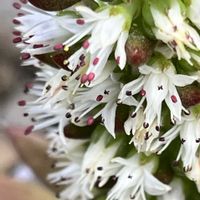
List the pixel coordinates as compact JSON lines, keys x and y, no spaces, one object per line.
{"x":138,"y":48}
{"x":190,"y":95}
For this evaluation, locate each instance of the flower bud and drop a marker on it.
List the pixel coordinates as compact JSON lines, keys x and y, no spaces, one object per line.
{"x":138,"y":48}
{"x":190,"y":95}
{"x":53,"y":5}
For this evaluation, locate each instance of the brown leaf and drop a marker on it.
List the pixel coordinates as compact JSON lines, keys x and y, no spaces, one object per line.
{"x":53,"y":5}
{"x":15,"y":190}
{"x":32,"y":149}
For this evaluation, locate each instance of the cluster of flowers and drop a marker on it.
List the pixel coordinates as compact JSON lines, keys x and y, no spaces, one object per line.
{"x":129,"y":70}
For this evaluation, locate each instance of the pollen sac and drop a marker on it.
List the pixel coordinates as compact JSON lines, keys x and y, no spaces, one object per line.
{"x":138,"y":48}
{"x":190,"y":95}
{"x":53,"y":5}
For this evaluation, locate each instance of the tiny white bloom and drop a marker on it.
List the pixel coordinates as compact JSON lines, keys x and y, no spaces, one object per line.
{"x":48,"y":32}
{"x":157,"y":84}
{"x":171,"y":28}
{"x":97,"y":166}
{"x":189,"y":140}
{"x":89,"y":99}
{"x":134,"y":179}
{"x":39,"y":31}
{"x":71,"y":148}
{"x":142,"y":137}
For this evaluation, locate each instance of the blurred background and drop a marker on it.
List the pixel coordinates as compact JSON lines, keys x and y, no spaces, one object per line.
{"x":20,"y":164}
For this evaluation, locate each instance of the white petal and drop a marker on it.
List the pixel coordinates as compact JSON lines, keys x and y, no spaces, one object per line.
{"x":153,"y":186}
{"x":120,"y":53}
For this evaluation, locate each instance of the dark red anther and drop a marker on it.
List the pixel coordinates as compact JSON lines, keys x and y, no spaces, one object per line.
{"x":22,"y":103}
{"x":28,"y":130}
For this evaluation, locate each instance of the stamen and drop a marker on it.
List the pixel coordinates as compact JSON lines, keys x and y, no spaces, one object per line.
{"x":28,"y":130}
{"x":84,"y":78}
{"x":99,"y":98}
{"x":173,"y":98}
{"x":20,"y":14}
{"x":68,"y":115}
{"x":160,"y":87}
{"x":99,"y":168}
{"x":36,"y":46}
{"x":95,"y":61}
{"x":64,"y":78}
{"x":22,"y":103}
{"x":64,"y":87}
{"x":17,"y":40}
{"x":66,"y":48}
{"x":183,"y":141}
{"x":48,"y":88}
{"x":65,"y":62}
{"x":91,"y":76}
{"x":106,"y":92}
{"x":90,"y":121}
{"x":143,"y":92}
{"x":161,"y":139}
{"x":26,"y":114}
{"x":82,"y":57}
{"x":145,"y":125}
{"x":128,"y":93}
{"x":157,"y":128}
{"x":58,"y":47}
{"x":86,"y":44}
{"x":133,"y":115}
{"x":80,"y":21}
{"x":17,"y":5}
{"x":17,"y":33}
{"x":17,"y":22}
{"x":25,"y":56}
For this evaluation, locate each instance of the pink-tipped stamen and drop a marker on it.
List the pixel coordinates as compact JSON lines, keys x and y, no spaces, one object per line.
{"x":22,"y":103}
{"x":91,"y":76}
{"x":28,"y":130}
{"x":90,"y":121}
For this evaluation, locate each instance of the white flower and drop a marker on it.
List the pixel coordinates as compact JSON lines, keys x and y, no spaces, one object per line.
{"x":189,"y":140}
{"x":171,"y":28}
{"x":88,"y":101}
{"x":194,"y":174}
{"x":193,"y":12}
{"x":38,"y":31}
{"x":71,"y":148}
{"x":68,"y":175}
{"x":96,"y":166}
{"x":80,"y":174}
{"x":45,"y":32}
{"x":155,"y":85}
{"x":176,"y":193}
{"x":134,"y":179}
{"x":108,"y":27}
{"x":142,"y":137}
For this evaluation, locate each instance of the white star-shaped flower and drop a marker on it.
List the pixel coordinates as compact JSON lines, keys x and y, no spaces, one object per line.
{"x":157,"y":83}
{"x":189,"y":140}
{"x":171,"y":28}
{"x":134,"y":179}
